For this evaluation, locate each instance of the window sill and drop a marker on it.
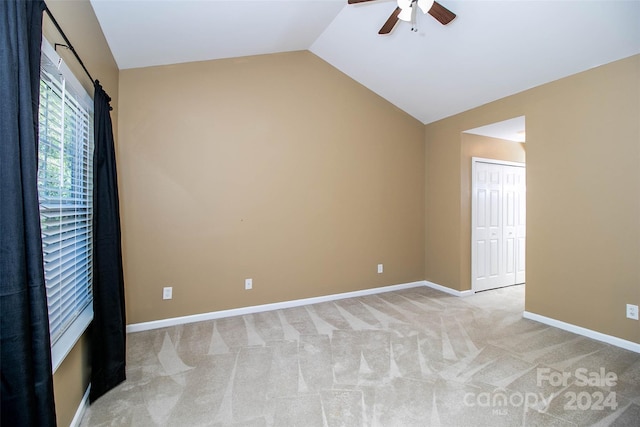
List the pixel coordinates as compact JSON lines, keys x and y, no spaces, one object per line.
{"x":63,"y":346}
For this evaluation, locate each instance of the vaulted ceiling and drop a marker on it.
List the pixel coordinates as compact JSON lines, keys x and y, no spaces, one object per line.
{"x":491,"y":50}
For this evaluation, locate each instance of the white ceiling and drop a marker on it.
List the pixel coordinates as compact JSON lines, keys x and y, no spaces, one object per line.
{"x":510,"y":130}
{"x":491,"y":50}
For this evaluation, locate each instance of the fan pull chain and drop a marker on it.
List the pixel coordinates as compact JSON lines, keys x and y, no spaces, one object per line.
{"x":414,"y":23}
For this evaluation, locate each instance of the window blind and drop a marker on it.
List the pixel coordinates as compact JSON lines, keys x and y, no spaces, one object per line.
{"x":65,"y":174}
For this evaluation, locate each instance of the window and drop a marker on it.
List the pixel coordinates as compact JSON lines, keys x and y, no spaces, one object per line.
{"x":65,"y":175}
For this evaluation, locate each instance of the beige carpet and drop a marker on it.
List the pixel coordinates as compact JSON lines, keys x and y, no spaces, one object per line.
{"x":415,"y":357}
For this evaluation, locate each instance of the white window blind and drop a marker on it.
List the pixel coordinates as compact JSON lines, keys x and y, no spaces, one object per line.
{"x":65,"y":174}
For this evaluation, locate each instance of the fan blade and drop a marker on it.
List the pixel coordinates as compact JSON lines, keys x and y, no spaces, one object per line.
{"x":441,"y":13}
{"x":357,"y":1}
{"x":391,"y":22}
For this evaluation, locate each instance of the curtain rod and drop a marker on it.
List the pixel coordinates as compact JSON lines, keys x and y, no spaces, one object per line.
{"x":68,"y":45}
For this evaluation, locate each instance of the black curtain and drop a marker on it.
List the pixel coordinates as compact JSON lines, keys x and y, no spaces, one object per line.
{"x":109,"y":323}
{"x":25,"y":351}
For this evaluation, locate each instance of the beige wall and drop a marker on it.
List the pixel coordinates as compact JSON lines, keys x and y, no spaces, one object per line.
{"x":71,"y":381}
{"x":448,"y":201}
{"x":282,"y":169}
{"x":442,"y":208}
{"x":79,"y":23}
{"x":583,"y":196}
{"x":277,"y":168}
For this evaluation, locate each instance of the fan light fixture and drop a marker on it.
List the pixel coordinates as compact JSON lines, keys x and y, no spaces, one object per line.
{"x":425,"y":5}
{"x":405,"y":11}
{"x":406,"y":14}
{"x":406,"y":8}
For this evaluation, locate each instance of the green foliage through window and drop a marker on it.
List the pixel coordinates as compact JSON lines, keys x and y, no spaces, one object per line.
{"x":65,"y":191}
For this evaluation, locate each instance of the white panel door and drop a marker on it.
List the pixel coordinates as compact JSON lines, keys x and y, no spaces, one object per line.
{"x":498,"y":225}
{"x":488,"y":219}
{"x":509,"y":207}
{"x":521,"y":223}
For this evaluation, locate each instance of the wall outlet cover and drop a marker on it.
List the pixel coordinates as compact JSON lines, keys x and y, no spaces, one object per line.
{"x":632,"y":311}
{"x":167,"y":293}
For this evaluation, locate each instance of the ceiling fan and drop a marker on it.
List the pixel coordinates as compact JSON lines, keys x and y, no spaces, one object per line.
{"x":406,"y":11}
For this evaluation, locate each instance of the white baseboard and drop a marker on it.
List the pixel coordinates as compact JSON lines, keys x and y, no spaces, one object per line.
{"x":82,"y":408}
{"x":448,"y":290}
{"x":164,"y":323}
{"x":599,"y":336}
{"x":156,"y":324}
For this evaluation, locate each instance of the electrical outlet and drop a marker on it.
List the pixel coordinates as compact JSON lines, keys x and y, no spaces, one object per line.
{"x":380,"y":268}
{"x":632,"y":311}
{"x":167,"y":293}
{"x":248,"y":284}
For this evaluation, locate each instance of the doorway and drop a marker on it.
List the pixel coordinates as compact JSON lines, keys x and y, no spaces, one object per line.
{"x":498,"y":223}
